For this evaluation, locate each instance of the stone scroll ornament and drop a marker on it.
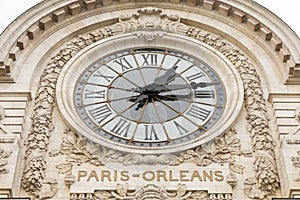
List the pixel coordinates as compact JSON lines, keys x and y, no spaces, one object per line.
{"x":266,"y":180}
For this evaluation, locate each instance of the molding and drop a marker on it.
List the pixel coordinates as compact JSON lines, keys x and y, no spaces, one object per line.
{"x":150,"y":191}
{"x":243,"y":13}
{"x":266,"y":179}
{"x":17,"y":94}
{"x":283,"y":95}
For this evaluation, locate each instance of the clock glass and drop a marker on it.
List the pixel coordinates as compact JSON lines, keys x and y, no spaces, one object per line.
{"x":149,"y":97}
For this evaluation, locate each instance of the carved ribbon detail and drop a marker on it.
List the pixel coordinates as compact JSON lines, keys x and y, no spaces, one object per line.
{"x":150,"y":23}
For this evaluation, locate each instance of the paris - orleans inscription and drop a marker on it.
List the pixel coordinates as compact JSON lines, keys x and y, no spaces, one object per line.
{"x":91,"y":178}
{"x":159,"y":175}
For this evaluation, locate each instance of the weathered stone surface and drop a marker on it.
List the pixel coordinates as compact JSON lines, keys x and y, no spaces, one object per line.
{"x":261,"y":53}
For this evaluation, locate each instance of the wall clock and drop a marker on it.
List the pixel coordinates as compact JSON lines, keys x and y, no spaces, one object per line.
{"x":149,"y":97}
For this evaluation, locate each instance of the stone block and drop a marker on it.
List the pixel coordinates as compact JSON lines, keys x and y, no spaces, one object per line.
{"x":266,"y":33}
{"x":33,"y":32}
{"x":224,"y":9}
{"x":287,"y":121}
{"x":13,"y":121}
{"x":107,"y":2}
{"x":16,"y":129}
{"x":8,"y":63}
{"x":239,"y":16}
{"x":45,"y":23}
{"x":22,"y":42}
{"x":59,"y":15}
{"x":284,"y":54}
{"x":13,"y":53}
{"x":74,"y":9}
{"x":276,"y":43}
{"x":253,"y":24}
{"x":2,"y":68}
{"x":14,"y":112}
{"x":209,"y":4}
{"x":89,"y":4}
{"x":192,"y":2}
{"x":285,"y":113}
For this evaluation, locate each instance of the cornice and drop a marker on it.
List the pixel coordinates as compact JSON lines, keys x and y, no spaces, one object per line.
{"x":33,"y":24}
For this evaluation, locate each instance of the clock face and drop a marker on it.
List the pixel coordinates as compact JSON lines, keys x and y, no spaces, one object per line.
{"x":149,"y":97}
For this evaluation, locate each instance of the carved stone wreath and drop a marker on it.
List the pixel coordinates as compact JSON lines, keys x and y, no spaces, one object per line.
{"x":266,"y":179}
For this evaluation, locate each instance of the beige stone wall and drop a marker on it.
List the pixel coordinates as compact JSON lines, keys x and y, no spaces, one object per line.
{"x":257,"y":150}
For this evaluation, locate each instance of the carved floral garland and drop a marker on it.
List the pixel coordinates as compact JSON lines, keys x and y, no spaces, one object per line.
{"x":266,"y":179}
{"x":220,"y":150}
{"x":79,"y":150}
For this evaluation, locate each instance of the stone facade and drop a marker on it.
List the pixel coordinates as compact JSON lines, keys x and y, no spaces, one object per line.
{"x":253,"y":154}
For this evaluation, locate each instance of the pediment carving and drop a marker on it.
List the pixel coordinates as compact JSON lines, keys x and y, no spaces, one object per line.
{"x":78,"y":150}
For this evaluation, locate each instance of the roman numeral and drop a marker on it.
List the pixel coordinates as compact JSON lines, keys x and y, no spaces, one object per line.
{"x":121,"y":128}
{"x":94,"y":94}
{"x":205,"y":94}
{"x":149,"y":59}
{"x":180,"y":128}
{"x":125,"y":65}
{"x":150,"y":134}
{"x":198,"y":112}
{"x":195,"y":76}
{"x":100,"y":113}
{"x":107,"y":78}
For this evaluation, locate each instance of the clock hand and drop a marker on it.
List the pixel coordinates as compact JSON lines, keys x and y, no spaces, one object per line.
{"x":138,"y":98}
{"x":141,"y":100}
{"x":146,"y":89}
{"x":162,"y":80}
{"x":193,"y":85}
{"x":141,"y":104}
{"x":174,"y":97}
{"x":166,"y":78}
{"x":155,"y":88}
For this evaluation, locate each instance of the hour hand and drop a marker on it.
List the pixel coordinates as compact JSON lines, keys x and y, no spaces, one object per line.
{"x":141,"y":101}
{"x":139,"y":98}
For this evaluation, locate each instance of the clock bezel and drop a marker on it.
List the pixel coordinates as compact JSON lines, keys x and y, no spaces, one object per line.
{"x":222,"y":66}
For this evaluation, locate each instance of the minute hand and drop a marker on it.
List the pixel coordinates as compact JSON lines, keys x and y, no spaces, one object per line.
{"x":193,"y":85}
